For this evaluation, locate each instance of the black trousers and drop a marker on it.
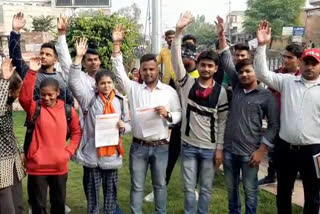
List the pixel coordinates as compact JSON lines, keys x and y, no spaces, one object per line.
{"x":174,"y":150}
{"x":37,"y":192}
{"x":289,"y":161}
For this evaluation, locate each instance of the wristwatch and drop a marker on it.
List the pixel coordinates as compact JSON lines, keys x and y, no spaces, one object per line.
{"x":169,"y":116}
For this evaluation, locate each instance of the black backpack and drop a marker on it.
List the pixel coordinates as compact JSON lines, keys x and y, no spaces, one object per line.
{"x":31,"y":124}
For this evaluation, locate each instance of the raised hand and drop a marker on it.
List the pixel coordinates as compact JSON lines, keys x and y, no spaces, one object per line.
{"x":81,"y":46}
{"x":184,"y":20}
{"x":62,"y":24}
{"x":7,"y":69}
{"x":118,"y":33}
{"x":264,"y":33}
{"x":220,"y":26}
{"x":18,"y":22}
{"x":35,"y":63}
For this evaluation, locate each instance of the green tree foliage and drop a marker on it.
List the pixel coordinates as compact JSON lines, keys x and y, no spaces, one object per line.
{"x":43,"y":23}
{"x":205,"y":32}
{"x":97,"y":28}
{"x":279,"y":13}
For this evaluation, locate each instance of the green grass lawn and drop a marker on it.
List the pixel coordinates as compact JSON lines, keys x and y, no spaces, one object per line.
{"x":76,"y":199}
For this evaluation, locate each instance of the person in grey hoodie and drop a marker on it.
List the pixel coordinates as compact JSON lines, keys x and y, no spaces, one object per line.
{"x":99,"y":164}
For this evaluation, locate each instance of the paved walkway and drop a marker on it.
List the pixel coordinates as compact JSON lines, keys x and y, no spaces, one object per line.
{"x":297,"y":197}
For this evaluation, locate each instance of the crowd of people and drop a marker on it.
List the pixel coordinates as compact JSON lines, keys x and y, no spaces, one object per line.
{"x":211,"y":107}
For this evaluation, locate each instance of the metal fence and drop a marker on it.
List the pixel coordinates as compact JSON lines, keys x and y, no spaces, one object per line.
{"x":274,"y":63}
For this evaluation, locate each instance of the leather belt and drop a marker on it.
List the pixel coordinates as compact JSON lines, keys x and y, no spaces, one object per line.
{"x":150,"y":143}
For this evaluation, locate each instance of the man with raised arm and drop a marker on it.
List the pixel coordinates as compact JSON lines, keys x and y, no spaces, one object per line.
{"x":49,"y":57}
{"x":300,"y":123}
{"x":245,"y":143}
{"x":150,"y":144}
{"x":205,"y":109}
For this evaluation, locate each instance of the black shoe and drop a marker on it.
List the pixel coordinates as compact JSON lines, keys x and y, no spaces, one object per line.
{"x":267,"y":180}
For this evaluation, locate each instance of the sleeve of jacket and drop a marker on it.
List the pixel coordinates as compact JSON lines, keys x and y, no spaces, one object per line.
{"x":222,"y":114}
{"x":77,"y":85}
{"x":26,"y":93}
{"x":227,"y":65}
{"x":176,"y":59}
{"x":273,"y":118}
{"x":64,"y":57}
{"x":16,"y":56}
{"x":76,"y":133}
{"x":4,"y":92}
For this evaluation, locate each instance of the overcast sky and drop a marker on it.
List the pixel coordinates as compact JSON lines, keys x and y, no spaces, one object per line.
{"x":171,"y":9}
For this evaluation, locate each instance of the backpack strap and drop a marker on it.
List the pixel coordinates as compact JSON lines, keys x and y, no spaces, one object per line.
{"x":36,"y":113}
{"x":67,"y":109}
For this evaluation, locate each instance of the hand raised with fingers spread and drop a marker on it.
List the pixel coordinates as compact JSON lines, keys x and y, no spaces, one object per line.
{"x":220,"y":26}
{"x":118,"y":33}
{"x":184,"y":20}
{"x":35,"y":63}
{"x":264,"y":33}
{"x":82,"y":46}
{"x":18,"y":22}
{"x":7,"y":69}
{"x":62,"y":24}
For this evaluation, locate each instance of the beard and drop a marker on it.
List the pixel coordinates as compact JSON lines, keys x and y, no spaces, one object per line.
{"x":45,"y":67}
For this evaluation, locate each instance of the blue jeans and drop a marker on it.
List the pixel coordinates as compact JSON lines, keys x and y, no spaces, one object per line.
{"x":232,"y":165}
{"x":140,"y":158}
{"x":197,"y":162}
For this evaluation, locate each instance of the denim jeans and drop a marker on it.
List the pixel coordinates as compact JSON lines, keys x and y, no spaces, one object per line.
{"x":140,"y":158}
{"x":232,"y":165}
{"x":197,"y":162}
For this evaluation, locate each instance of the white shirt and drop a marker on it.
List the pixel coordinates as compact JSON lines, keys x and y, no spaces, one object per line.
{"x":141,"y":96}
{"x":300,"y":103}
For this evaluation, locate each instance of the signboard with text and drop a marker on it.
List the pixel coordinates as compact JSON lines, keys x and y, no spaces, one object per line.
{"x":83,"y":3}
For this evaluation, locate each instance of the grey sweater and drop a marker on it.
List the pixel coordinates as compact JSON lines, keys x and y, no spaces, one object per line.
{"x":87,"y":153}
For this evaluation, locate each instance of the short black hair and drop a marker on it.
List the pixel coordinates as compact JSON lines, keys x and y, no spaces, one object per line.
{"x":243,"y":63}
{"x":169,"y":32}
{"x":148,"y":57}
{"x":189,"y":37}
{"x":241,"y":47}
{"x":51,"y":46}
{"x":295,"y":49}
{"x":102,"y":73}
{"x":92,"y":51}
{"x":50,"y":82}
{"x":210,"y":55}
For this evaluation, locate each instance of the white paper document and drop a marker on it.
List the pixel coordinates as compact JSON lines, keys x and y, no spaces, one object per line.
{"x":106,"y":131}
{"x":150,"y":122}
{"x":253,"y":44}
{"x":316,"y":164}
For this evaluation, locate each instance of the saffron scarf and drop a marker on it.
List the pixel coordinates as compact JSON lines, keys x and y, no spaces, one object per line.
{"x":109,"y":109}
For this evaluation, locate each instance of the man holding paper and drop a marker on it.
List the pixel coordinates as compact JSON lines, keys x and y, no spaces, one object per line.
{"x":154,"y":106}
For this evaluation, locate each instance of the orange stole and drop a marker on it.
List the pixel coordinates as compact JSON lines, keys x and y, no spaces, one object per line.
{"x":109,"y":109}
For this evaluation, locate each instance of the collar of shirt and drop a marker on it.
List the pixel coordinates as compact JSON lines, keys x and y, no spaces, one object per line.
{"x":257,"y":89}
{"x":159,"y":85}
{"x":307,"y":83}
